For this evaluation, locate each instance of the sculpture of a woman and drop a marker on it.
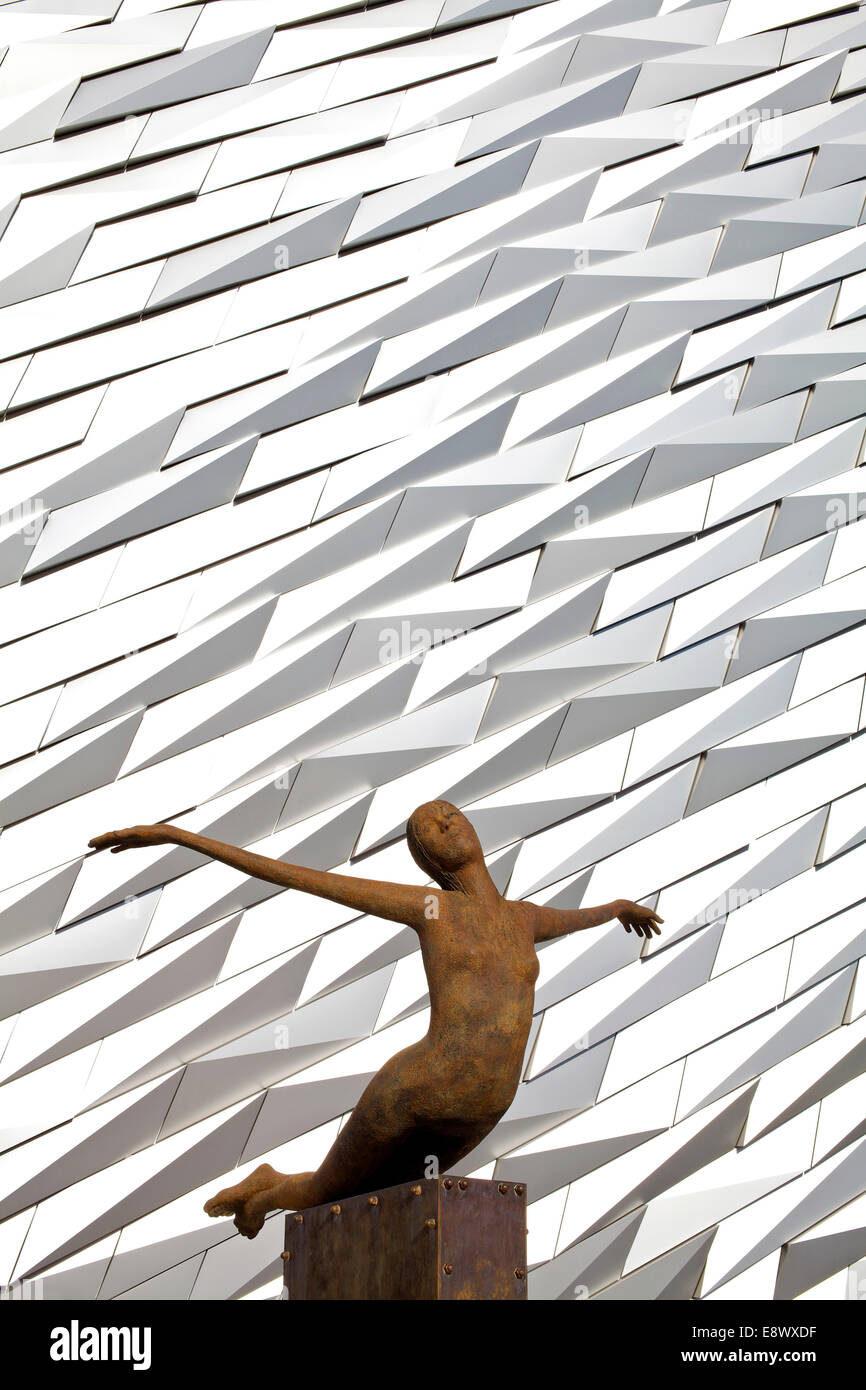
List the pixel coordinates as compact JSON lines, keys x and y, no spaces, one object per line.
{"x":442,"y":1095}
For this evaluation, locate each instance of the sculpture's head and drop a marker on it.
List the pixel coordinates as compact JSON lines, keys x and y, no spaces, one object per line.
{"x":442,"y":841}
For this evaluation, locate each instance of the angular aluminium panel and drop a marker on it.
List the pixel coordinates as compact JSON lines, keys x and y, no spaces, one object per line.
{"x":435,"y":400}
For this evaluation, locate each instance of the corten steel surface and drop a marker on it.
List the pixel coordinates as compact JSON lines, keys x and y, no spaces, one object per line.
{"x":442,"y":1095}
{"x":435,"y":1239}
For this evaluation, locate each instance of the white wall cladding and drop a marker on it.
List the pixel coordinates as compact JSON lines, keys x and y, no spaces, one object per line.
{"x":454,"y":399}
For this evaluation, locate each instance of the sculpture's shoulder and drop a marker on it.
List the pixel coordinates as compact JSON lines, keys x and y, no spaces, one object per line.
{"x":522,"y":914}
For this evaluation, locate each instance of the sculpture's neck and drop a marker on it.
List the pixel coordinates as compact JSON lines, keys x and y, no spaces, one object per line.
{"x":474,"y":880}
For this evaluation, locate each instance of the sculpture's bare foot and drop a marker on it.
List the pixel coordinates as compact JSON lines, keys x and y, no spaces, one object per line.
{"x":239,"y":1201}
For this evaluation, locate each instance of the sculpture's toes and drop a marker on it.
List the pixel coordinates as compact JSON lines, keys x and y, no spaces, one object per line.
{"x":248,"y":1226}
{"x":223,"y":1204}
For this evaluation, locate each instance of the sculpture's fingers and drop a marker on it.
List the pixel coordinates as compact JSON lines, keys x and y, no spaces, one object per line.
{"x":102,"y":841}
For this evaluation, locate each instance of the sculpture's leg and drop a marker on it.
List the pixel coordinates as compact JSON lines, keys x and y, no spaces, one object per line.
{"x":383,"y":1142}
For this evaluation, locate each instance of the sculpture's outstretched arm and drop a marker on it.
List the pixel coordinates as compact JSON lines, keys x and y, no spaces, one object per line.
{"x":550,"y":922}
{"x":398,"y":902}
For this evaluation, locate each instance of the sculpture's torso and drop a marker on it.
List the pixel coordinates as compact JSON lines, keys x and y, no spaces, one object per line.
{"x":481,"y":967}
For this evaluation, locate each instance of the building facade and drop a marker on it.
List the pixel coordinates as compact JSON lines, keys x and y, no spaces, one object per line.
{"x":434,"y":399}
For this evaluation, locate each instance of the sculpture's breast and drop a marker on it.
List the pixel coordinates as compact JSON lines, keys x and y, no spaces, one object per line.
{"x":527,"y":968}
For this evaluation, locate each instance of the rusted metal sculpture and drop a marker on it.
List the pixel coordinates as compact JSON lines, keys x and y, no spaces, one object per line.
{"x":440,"y":1096}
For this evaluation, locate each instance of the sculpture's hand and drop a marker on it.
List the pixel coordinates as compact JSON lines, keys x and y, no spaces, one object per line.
{"x":639,"y":919}
{"x":136,"y":837}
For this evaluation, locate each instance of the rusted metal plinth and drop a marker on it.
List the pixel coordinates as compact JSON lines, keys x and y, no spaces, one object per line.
{"x":438,"y":1238}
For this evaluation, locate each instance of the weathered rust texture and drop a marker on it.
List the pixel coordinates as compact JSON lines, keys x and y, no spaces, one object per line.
{"x":438,"y":1239}
{"x":442,"y":1095}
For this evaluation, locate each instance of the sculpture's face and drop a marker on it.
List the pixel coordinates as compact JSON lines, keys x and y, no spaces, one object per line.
{"x":444,"y":836}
